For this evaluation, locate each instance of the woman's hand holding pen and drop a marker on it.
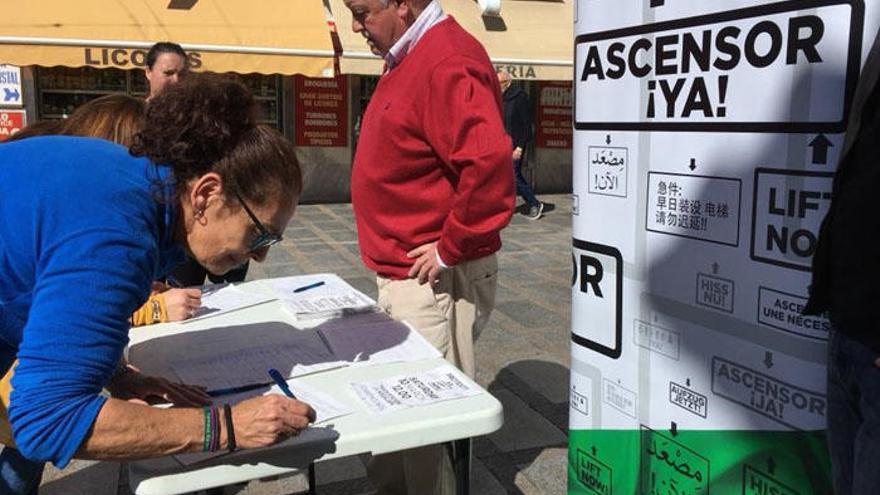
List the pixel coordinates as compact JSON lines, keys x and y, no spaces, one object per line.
{"x":181,"y":304}
{"x":268,"y":419}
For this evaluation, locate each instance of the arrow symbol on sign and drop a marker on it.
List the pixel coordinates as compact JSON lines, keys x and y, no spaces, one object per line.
{"x":715,"y":268}
{"x":768,"y":359}
{"x":693,"y":164}
{"x":11,"y":94}
{"x":771,"y":465}
{"x":674,"y":429}
{"x":594,"y":450}
{"x":607,"y":138}
{"x":820,"y":145}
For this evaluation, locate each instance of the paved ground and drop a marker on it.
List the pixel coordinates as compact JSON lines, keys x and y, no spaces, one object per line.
{"x":522,"y":358}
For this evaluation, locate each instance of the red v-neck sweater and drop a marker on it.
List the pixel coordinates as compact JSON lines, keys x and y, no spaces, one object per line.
{"x":433,"y":162}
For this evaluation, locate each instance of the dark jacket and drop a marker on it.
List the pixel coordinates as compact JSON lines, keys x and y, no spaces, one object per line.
{"x":517,"y":116}
{"x":846,"y":264}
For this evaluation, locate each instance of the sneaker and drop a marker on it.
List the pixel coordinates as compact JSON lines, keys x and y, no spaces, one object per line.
{"x":535,"y":211}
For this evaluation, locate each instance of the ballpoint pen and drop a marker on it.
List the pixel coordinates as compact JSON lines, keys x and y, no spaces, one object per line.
{"x":309,"y":286}
{"x":281,"y":382}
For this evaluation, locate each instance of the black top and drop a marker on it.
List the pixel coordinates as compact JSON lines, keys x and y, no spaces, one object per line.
{"x":517,"y":116}
{"x":846,"y":265}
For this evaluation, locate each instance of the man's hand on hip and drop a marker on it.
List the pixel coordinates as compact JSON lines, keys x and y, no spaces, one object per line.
{"x":517,"y":153}
{"x":427,"y":266}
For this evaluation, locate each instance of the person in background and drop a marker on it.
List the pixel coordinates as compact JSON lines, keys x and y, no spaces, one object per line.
{"x":431,"y":187}
{"x":518,"y":124}
{"x":844,"y":286}
{"x":166,"y":64}
{"x":80,"y":213}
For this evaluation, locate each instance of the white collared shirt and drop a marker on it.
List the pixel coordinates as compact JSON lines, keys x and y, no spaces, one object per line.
{"x":429,"y":17}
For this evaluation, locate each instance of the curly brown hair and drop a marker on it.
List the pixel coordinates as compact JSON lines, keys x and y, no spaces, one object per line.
{"x":193,"y":124}
{"x":206,"y":123}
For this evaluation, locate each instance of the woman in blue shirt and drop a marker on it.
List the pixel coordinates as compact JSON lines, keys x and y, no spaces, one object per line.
{"x":85,"y":216}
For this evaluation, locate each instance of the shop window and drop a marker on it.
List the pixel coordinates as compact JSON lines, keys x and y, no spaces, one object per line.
{"x":61,"y":89}
{"x":267,"y":92}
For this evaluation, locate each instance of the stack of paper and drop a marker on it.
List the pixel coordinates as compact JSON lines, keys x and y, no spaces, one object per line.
{"x":414,"y":389}
{"x":323,"y":295}
{"x":226,"y":298}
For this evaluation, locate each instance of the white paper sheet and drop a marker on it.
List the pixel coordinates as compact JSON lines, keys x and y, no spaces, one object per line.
{"x":216,"y":301}
{"x":333,"y":297}
{"x":414,"y":389}
{"x":325,"y":406}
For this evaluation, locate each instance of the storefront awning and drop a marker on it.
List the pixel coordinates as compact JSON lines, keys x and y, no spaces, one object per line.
{"x":263,"y":36}
{"x":531,"y":39}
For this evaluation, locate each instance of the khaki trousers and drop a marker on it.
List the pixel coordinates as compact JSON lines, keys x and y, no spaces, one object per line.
{"x":450,"y":315}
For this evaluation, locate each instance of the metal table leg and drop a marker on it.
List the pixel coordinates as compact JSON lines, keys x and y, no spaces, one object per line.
{"x":313,"y":483}
{"x":461,"y":462}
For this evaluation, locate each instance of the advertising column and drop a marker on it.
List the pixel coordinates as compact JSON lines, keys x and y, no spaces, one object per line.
{"x":706,"y":135}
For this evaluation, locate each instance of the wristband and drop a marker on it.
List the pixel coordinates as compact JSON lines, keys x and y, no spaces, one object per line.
{"x":230,"y":431}
{"x":206,"y":443}
{"x":215,"y":429}
{"x":156,"y":310}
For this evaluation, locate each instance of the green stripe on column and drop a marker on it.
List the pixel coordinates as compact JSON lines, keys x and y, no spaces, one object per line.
{"x":697,"y":462}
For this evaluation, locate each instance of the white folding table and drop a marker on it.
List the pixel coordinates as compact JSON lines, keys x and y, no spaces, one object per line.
{"x":455,"y":421}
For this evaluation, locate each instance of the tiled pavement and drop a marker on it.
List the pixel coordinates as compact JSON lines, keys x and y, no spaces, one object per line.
{"x":522,"y":358}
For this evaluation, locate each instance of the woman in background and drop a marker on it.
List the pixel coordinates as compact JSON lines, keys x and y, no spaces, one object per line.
{"x":166,"y":64}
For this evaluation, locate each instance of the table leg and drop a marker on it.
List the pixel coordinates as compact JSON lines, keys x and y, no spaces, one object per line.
{"x":313,"y":483}
{"x":461,"y":463}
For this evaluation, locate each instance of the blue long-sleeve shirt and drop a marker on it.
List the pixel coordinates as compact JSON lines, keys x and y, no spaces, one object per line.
{"x":84,"y":229}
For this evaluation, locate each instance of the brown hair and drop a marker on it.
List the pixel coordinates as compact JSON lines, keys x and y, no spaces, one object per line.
{"x":113,"y":117}
{"x":41,"y":128}
{"x":206,"y":123}
{"x":262,"y":165}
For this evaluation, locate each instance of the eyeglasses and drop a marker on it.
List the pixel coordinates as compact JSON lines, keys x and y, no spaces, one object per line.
{"x":266,"y":238}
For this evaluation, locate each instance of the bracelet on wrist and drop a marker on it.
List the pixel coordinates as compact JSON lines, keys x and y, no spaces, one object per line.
{"x":230,"y":431}
{"x":206,"y":442}
{"x":156,"y":310}
{"x":215,"y":429}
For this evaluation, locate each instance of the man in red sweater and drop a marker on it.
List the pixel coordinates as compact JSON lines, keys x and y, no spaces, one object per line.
{"x":432,"y":186}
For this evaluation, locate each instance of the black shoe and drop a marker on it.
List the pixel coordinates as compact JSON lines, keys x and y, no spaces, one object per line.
{"x":535,"y":211}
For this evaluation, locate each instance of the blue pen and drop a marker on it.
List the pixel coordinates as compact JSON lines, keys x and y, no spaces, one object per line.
{"x":310,"y":286}
{"x":281,"y":382}
{"x":173,"y":282}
